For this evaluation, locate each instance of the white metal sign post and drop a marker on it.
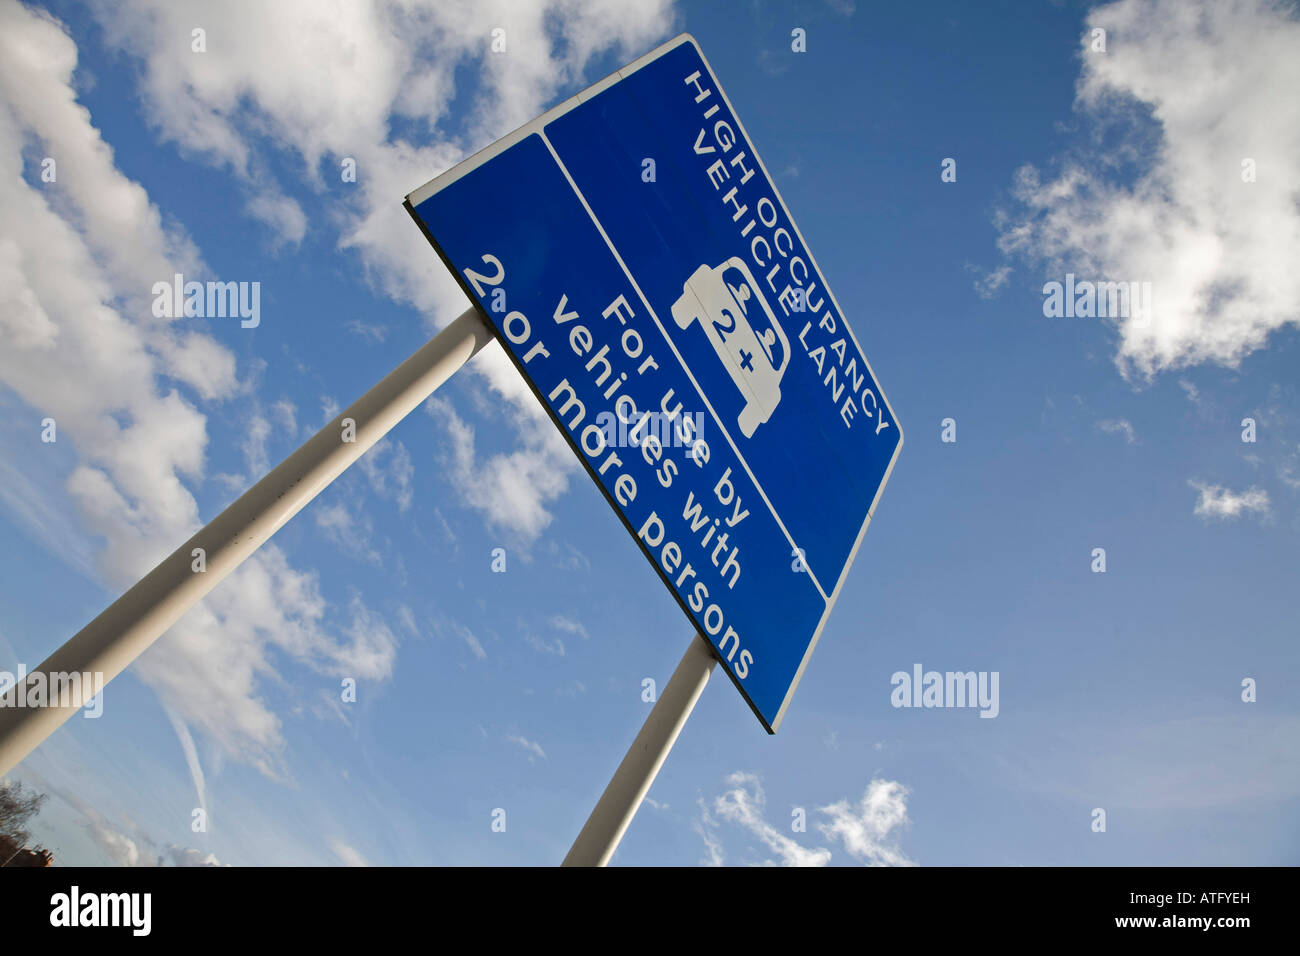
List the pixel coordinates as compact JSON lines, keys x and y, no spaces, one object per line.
{"x":126,"y":628}
{"x":631,"y":782}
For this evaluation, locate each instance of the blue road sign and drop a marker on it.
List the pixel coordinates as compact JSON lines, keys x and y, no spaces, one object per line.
{"x":639,"y":266}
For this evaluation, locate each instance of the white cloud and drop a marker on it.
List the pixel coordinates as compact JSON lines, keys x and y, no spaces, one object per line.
{"x":712,"y":845}
{"x":558,"y":622}
{"x":511,"y":489}
{"x":987,"y":286}
{"x":351,"y":534}
{"x":745,"y":804}
{"x":532,"y":747}
{"x":1119,"y":426}
{"x":565,"y":556}
{"x":286,"y":414}
{"x":445,"y":625}
{"x":126,"y":851}
{"x":371,"y":333}
{"x":119,"y":847}
{"x":258,"y":430}
{"x":1216,"y":502}
{"x":569,"y":626}
{"x":1216,"y":81}
{"x":285,"y":217}
{"x":348,"y":855}
{"x":867,"y":829}
{"x":191,"y":757}
{"x":371,"y":647}
{"x":1289,"y":469}
{"x":543,"y":646}
{"x":175,"y":855}
{"x":473,"y":643}
{"x":387,"y":466}
{"x":329,"y":409}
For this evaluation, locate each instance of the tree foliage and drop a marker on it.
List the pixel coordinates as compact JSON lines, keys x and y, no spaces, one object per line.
{"x":18,"y":804}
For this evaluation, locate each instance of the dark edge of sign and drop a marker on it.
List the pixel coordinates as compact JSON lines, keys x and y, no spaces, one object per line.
{"x":591,"y":471}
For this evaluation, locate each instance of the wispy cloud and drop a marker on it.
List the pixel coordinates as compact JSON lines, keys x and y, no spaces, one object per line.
{"x":119,"y":847}
{"x":446,"y":626}
{"x":569,"y":626}
{"x":544,"y":646}
{"x":283,"y":215}
{"x":1119,"y":426}
{"x":712,"y":845}
{"x":351,"y":533}
{"x":191,"y":757}
{"x":774,"y":63}
{"x":387,"y":466}
{"x":256,"y":433}
{"x":1217,"y":503}
{"x":348,"y":855}
{"x":531,"y":747}
{"x":867,"y":828}
{"x":174,"y":855}
{"x":745,"y":805}
{"x":513,"y":490}
{"x":988,"y":285}
{"x":371,"y":332}
{"x":286,"y":414}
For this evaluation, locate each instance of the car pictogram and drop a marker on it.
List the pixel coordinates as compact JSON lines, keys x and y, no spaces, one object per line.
{"x":740,"y":325}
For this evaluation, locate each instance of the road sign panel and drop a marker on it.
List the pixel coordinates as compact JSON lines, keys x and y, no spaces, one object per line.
{"x":642,"y":271}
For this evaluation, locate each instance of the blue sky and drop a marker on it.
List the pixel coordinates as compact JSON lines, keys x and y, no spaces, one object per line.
{"x":478,"y":690}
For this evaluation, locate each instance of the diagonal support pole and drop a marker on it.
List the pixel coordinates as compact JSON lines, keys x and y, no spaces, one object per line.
{"x":128,"y":626}
{"x":631,"y":782}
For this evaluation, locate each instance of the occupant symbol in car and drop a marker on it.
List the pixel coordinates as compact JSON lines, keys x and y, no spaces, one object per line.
{"x":740,"y":326}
